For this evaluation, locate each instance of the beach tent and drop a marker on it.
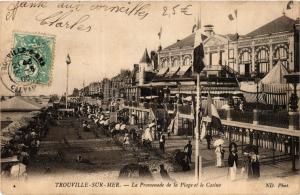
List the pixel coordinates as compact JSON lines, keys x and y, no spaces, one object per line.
{"x":19,"y":103}
{"x":272,"y":89}
{"x":275,"y":88}
{"x":249,"y":90}
{"x":275,"y":76}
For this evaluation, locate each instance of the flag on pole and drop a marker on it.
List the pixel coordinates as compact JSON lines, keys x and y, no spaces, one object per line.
{"x":68,"y":60}
{"x":198,"y":63}
{"x":203,"y":130}
{"x":231,"y":17}
{"x":159,"y":33}
{"x":194,"y":109}
{"x":235,"y":13}
{"x":196,"y":26}
{"x":289,"y":5}
{"x":212,"y":115}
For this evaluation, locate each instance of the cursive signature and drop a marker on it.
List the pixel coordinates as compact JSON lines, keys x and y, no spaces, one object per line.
{"x":61,"y":19}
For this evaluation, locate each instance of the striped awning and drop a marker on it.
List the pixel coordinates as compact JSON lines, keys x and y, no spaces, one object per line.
{"x":212,"y":90}
{"x":183,"y":70}
{"x":173,"y":71}
{"x":162,"y":71}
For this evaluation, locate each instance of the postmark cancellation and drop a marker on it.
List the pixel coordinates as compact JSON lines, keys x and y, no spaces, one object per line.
{"x":29,"y":63}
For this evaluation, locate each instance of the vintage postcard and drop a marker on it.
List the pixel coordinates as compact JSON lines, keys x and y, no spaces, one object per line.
{"x":149,"y":97}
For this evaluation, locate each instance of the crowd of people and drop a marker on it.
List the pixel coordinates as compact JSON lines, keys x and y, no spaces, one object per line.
{"x":24,"y":143}
{"x":249,"y":166}
{"x":146,"y":136}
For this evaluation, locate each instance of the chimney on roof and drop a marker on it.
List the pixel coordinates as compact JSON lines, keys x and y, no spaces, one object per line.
{"x":209,"y":30}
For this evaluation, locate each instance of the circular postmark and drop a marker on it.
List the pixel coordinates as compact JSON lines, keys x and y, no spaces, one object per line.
{"x":21,"y":69}
{"x":29,"y":63}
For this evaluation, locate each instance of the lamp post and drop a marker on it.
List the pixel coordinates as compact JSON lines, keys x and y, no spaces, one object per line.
{"x":294,"y":79}
{"x":68,"y":62}
{"x":255,"y":111}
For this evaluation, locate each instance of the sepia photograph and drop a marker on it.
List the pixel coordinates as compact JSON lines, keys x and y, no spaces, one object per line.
{"x":145,"y":97}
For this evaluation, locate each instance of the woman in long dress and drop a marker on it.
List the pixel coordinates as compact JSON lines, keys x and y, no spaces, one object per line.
{"x":255,"y":166}
{"x":232,"y":163}
{"x":219,"y":156}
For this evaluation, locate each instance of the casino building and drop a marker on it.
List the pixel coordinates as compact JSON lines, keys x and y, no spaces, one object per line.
{"x":229,"y":59}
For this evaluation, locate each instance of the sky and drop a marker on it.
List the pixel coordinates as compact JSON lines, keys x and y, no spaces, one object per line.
{"x":117,"y":41}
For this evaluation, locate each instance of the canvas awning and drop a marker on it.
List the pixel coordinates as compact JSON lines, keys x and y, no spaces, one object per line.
{"x":162,"y":71}
{"x":212,"y":90}
{"x":173,"y":71}
{"x":275,"y":76}
{"x":250,"y":87}
{"x":159,"y":84}
{"x":151,"y":97}
{"x":183,"y":70}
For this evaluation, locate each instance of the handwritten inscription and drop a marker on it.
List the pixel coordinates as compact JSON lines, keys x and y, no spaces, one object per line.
{"x":60,"y":19}
{"x":138,"y":9}
{"x":13,"y":8}
{"x":173,"y":10}
{"x":67,"y":5}
{"x":76,"y":15}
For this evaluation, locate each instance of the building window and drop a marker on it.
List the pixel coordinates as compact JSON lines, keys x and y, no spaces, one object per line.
{"x":263,"y":60}
{"x":187,"y":61}
{"x":231,"y":54}
{"x":175,"y":62}
{"x":245,"y":58}
{"x":214,"y":58}
{"x":164,"y":63}
{"x":281,"y":53}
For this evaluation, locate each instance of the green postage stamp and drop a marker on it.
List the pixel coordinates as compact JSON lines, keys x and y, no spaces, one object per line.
{"x":29,"y":63}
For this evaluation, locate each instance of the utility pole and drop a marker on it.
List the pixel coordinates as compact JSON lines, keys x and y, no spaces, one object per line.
{"x":198,"y":163}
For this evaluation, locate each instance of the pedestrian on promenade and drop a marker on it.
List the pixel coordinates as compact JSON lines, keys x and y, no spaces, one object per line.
{"x":133,"y":134}
{"x":222,"y":155}
{"x":188,"y":151}
{"x":286,"y":144}
{"x":254,"y":168}
{"x":164,"y":173}
{"x":162,"y":141}
{"x":232,"y":163}
{"x":242,"y":106}
{"x":152,"y":127}
{"x":208,"y":138}
{"x":126,"y":140}
{"x":218,"y":156}
{"x":147,"y":137}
